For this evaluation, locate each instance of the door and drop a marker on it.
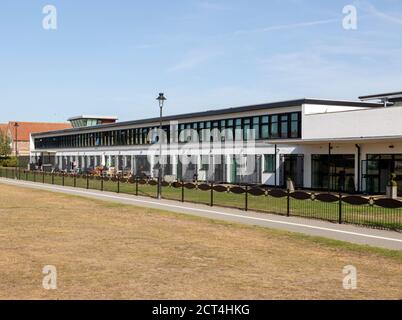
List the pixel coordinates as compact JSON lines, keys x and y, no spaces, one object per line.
{"x":293,"y":168}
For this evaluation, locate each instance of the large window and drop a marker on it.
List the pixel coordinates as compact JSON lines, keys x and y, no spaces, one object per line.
{"x":265,"y":127}
{"x":336,"y":172}
{"x":274,"y":127}
{"x":277,"y":126}
{"x":269,"y":163}
{"x":294,"y":125}
{"x":285,"y":126}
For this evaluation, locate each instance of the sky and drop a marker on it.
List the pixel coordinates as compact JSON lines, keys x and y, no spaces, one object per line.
{"x":113,"y":57}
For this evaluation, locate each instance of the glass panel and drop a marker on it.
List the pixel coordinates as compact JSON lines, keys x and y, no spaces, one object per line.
{"x":265,"y":131}
{"x":269,"y":163}
{"x":284,"y":126}
{"x":294,"y":129}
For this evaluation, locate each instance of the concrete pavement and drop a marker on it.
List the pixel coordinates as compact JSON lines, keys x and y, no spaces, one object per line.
{"x":349,"y":233}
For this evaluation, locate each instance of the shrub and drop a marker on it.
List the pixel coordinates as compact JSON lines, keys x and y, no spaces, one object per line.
{"x":8,"y":162}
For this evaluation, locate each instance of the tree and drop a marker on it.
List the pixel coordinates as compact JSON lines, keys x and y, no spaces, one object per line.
{"x":5,"y":145}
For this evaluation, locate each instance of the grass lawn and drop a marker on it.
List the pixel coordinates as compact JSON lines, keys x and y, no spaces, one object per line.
{"x":363,"y":215}
{"x":105,"y":250}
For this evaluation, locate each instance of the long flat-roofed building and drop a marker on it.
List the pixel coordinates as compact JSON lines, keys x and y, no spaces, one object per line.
{"x":319,"y":144}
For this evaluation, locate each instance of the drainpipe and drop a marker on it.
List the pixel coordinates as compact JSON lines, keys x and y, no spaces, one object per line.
{"x":358,"y":167}
{"x":329,"y":167}
{"x":276,"y":169}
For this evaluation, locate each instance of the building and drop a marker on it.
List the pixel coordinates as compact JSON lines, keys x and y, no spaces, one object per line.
{"x":352,"y":146}
{"x":89,"y":121}
{"x":20,"y":136}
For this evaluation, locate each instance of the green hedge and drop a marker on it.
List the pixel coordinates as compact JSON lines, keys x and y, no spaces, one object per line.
{"x":8,"y":162}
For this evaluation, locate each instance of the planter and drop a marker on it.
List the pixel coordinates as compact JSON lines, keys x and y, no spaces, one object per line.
{"x":392,"y":192}
{"x":290,"y":186}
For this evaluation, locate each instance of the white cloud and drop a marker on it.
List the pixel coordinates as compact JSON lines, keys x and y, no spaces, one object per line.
{"x":194,"y":59}
{"x":288,"y":26}
{"x":376,"y":12}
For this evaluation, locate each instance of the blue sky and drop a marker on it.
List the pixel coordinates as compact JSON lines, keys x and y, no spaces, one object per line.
{"x":114,"y":57}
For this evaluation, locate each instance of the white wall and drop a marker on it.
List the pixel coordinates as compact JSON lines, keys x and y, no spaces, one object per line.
{"x":315,"y":108}
{"x":378,"y":122}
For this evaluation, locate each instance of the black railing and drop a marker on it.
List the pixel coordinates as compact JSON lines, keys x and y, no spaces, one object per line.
{"x":372,"y":212}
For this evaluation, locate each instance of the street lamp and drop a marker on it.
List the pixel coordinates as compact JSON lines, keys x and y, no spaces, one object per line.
{"x":161,"y":100}
{"x":16,"y":125}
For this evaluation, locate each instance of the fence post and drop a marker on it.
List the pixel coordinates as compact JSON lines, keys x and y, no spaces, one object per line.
{"x":43,"y":177}
{"x":136,"y":186}
{"x":34,"y":176}
{"x":246,"y":199}
{"x":26,"y":175}
{"x":52,"y":177}
{"x":340,"y":208}
{"x":288,"y":203}
{"x":75,"y":180}
{"x":118,"y":184}
{"x":212,"y":194}
{"x":87,"y":175}
{"x":62,"y":179}
{"x":182,"y":191}
{"x":101,"y":183}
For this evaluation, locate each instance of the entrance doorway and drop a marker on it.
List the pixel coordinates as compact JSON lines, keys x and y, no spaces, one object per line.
{"x":292,"y":166}
{"x":377,"y":170}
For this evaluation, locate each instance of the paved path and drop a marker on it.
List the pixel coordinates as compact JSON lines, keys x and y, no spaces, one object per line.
{"x":350,"y":233}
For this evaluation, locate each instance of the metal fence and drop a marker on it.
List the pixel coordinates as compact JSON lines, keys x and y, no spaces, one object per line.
{"x":371,"y":212}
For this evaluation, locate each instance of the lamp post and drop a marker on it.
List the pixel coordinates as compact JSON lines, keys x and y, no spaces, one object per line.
{"x":16,"y":125}
{"x":161,"y":100}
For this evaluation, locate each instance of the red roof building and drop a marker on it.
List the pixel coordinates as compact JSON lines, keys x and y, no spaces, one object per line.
{"x":24,"y":130}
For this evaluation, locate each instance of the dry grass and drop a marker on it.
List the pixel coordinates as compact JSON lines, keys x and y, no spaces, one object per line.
{"x":109,"y":251}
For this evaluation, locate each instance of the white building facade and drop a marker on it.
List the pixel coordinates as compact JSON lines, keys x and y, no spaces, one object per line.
{"x":319,"y":144}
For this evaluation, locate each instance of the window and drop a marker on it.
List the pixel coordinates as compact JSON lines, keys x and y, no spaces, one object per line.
{"x":246,"y":128}
{"x":284,"y":126}
{"x":204,"y":163}
{"x":274,"y":127}
{"x":256,"y":127}
{"x":294,"y":125}
{"x":269,"y":163}
{"x":265,"y":127}
{"x":238,"y":132}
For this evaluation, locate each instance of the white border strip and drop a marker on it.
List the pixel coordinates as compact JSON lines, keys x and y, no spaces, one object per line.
{"x":52,"y":187}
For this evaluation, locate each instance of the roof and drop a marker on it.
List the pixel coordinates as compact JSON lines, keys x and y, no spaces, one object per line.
{"x":389,"y":96}
{"x":92,"y":117}
{"x":26,"y":128}
{"x":273,"y":105}
{"x":3,"y":128}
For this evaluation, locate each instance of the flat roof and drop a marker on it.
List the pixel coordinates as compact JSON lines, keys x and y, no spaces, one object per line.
{"x":390,"y":95}
{"x":272,"y":105}
{"x":92,"y":117}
